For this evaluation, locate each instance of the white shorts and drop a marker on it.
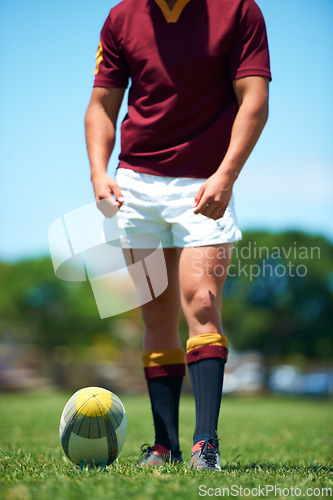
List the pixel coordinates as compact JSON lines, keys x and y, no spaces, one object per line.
{"x":160,"y":209}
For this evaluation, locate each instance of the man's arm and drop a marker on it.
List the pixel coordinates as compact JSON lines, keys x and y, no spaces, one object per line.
{"x":214,"y":194}
{"x":100,"y":124}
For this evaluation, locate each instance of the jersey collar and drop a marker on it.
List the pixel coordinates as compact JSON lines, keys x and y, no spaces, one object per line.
{"x":172,"y":16}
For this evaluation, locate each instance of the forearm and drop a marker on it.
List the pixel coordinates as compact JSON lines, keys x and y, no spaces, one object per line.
{"x":100,"y":139}
{"x":100,"y":123}
{"x":252,"y":97}
{"x":214,"y":194}
{"x":248,"y":125}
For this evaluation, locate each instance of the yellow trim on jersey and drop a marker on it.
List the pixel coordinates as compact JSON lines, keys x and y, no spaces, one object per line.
{"x":99,"y":57}
{"x":163,"y":357}
{"x":172,"y":15}
{"x":206,"y":339}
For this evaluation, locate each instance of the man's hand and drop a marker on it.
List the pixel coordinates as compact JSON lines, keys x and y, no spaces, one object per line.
{"x":107,"y":194}
{"x":213,"y":196}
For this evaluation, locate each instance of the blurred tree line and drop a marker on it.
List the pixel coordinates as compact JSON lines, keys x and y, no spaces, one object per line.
{"x":278,"y":300}
{"x":286,"y":308}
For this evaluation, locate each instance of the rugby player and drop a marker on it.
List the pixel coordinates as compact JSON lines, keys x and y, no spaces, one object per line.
{"x":198,"y":101}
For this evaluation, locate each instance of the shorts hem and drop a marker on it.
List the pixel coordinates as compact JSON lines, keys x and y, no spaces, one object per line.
{"x":208,"y":244}
{"x":196,"y":244}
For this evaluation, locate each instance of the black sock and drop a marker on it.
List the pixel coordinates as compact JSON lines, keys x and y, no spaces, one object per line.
{"x":164,"y":393}
{"x":207,"y":381}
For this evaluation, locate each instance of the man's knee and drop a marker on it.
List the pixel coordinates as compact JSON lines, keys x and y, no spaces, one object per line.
{"x":202,"y":304}
{"x":158,"y":312}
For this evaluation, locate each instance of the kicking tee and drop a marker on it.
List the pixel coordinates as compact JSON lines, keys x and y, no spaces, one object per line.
{"x":180,"y":64}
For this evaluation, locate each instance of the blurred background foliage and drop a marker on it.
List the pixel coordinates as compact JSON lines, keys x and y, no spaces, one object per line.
{"x":277,"y":301}
{"x":288,"y":307}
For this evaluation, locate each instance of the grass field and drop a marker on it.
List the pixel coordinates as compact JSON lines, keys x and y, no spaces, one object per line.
{"x":266,"y":443}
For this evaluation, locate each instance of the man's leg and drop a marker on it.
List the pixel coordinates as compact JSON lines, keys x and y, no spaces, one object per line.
{"x":164,"y":363}
{"x":202,"y":272}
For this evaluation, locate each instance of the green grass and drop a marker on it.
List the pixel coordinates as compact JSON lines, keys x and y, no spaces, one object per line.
{"x":279,"y":442}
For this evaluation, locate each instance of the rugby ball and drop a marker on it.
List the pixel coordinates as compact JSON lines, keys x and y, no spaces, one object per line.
{"x":93,"y":427}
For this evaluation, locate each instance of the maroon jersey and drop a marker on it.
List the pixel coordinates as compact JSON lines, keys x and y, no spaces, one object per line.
{"x":181,"y":63}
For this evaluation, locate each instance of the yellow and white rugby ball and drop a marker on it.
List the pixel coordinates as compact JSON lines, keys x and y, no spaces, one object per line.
{"x":93,"y":427}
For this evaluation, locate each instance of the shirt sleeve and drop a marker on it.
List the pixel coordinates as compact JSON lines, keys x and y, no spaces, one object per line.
{"x":112,"y":69}
{"x":249,"y":55}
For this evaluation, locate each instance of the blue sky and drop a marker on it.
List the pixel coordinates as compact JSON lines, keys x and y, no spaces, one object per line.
{"x":47,"y":65}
